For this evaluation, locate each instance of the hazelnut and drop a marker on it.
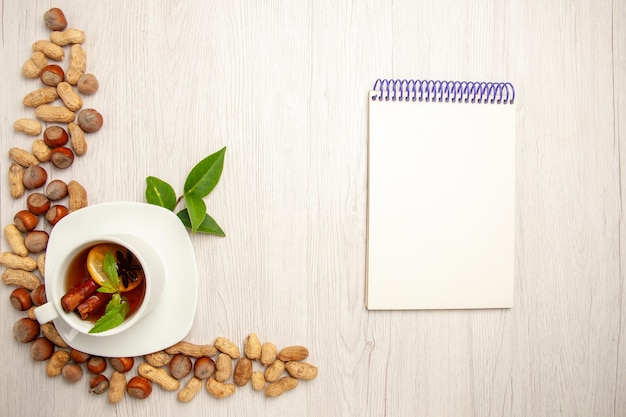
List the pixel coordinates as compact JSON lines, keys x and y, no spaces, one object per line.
{"x":36,"y":241}
{"x":51,"y":75}
{"x":55,"y":136}
{"x":139,"y":387}
{"x":122,"y":364}
{"x":98,"y":384}
{"x":20,"y":299}
{"x":72,"y":372}
{"x":26,"y":330}
{"x":204,"y":367}
{"x":87,"y":84}
{"x":34,"y":177}
{"x":56,"y":190}
{"x":25,"y":221}
{"x":96,"y":365}
{"x":41,"y":349}
{"x":79,"y":357}
{"x":61,"y":157}
{"x":38,"y":295}
{"x":37,"y":203}
{"x":56,"y":213}
{"x":55,"y":19}
{"x":89,"y":120}
{"x":180,"y":366}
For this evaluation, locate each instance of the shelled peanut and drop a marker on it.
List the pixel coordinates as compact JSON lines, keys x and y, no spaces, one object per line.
{"x":26,"y":236}
{"x":226,"y":369}
{"x":58,"y":99}
{"x":54,"y":100}
{"x":135,"y":377}
{"x":23,"y":263}
{"x":186,"y":373}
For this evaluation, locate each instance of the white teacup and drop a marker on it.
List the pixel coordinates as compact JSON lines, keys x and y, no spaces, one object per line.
{"x":58,"y":261}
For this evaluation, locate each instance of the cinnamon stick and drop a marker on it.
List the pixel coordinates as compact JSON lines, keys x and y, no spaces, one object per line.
{"x":74,"y":297}
{"x":92,"y":304}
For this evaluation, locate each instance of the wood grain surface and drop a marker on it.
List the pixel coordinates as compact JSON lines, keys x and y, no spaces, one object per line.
{"x":283,"y":84}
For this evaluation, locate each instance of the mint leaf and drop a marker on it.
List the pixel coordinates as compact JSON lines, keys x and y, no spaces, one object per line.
{"x":160,"y":193}
{"x":113,"y":317}
{"x":208,"y":225}
{"x":203,"y":178}
{"x":196,"y":209}
{"x":114,"y":302}
{"x":106,"y":287}
{"x":109,"y":264}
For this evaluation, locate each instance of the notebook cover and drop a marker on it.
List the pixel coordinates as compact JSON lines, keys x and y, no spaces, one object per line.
{"x":441,"y":205}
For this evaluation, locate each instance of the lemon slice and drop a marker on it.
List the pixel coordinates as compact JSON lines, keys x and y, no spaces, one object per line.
{"x":95,"y":265}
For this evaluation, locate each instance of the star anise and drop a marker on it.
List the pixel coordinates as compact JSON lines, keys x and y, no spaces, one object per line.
{"x":127,"y":267}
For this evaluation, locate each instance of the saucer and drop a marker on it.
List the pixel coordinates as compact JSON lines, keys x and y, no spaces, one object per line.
{"x":171,"y":319}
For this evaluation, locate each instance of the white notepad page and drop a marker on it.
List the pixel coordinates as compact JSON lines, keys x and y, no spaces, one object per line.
{"x":441,"y":205}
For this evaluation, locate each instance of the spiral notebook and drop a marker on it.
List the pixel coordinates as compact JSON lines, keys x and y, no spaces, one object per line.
{"x":441,"y":195}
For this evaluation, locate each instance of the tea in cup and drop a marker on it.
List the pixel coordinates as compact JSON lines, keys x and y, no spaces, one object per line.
{"x":100,"y":285}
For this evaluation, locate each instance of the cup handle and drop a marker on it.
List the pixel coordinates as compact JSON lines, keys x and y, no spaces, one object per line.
{"x":46,"y":313}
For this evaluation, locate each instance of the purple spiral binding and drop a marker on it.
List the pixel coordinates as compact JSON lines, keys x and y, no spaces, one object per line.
{"x":444,"y":91}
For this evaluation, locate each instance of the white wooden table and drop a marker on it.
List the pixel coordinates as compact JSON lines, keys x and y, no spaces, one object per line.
{"x":284,"y":86}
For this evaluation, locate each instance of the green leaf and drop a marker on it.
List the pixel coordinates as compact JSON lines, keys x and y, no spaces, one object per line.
{"x":115,"y":301}
{"x":203,"y":178}
{"x":196,"y":209}
{"x":160,"y":193}
{"x":208,"y":225}
{"x":107,"y":288}
{"x":109,"y":264}
{"x":113,"y":317}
